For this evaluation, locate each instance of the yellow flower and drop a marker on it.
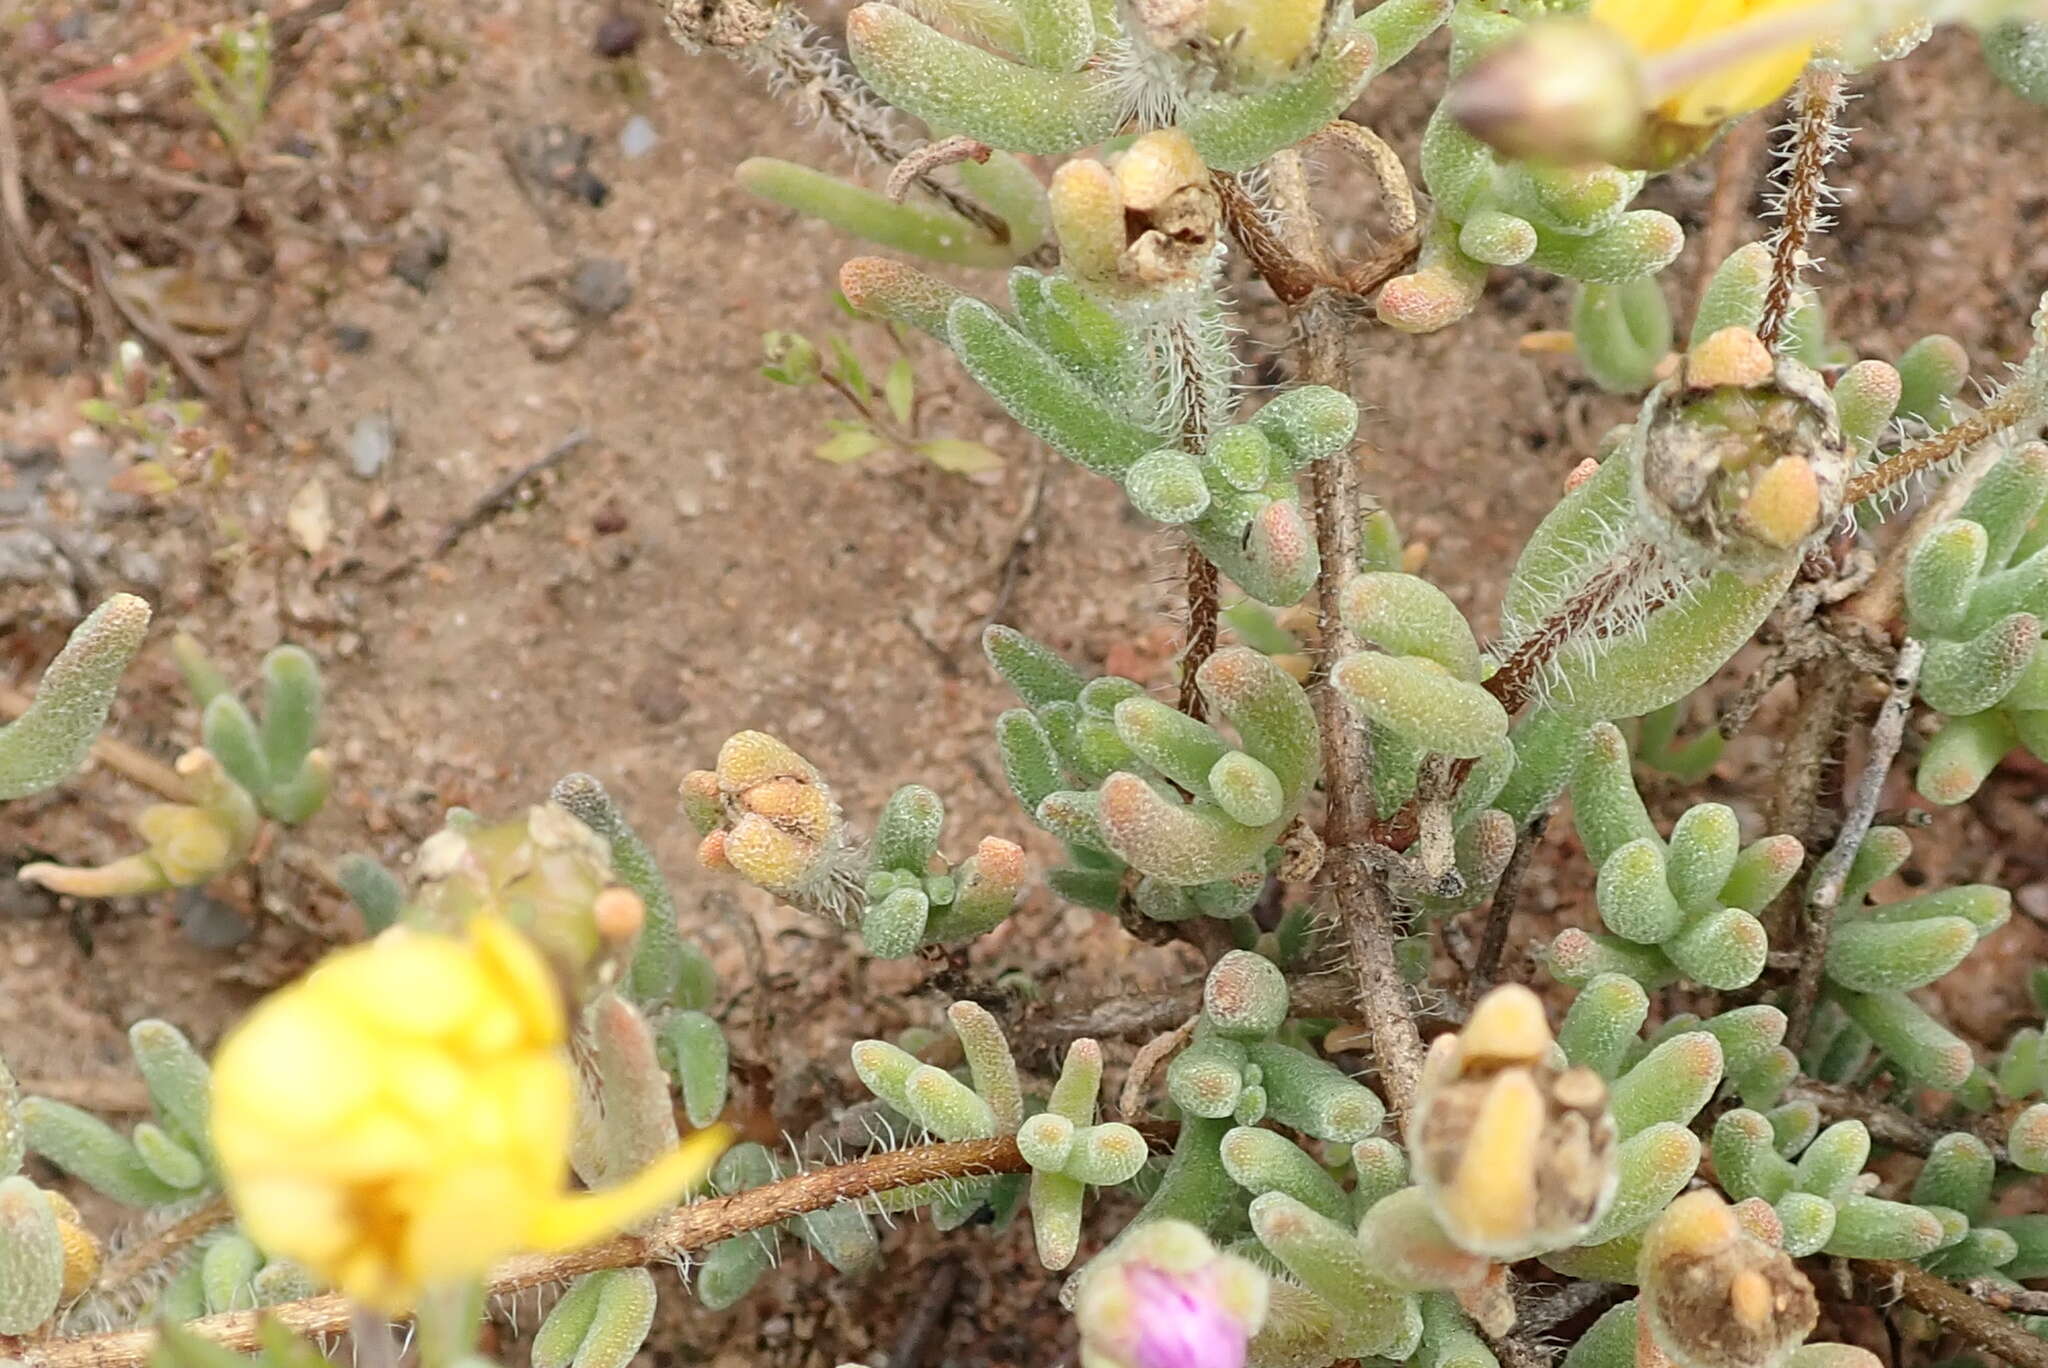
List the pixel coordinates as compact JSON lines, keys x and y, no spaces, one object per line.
{"x":1654,"y":27}
{"x":401,"y":1118}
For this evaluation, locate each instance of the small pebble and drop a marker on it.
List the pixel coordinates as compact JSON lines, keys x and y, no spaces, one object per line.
{"x":370,"y":444}
{"x":209,"y":923}
{"x":618,"y":35}
{"x":658,"y":696}
{"x":599,"y":288}
{"x":350,"y":339}
{"x":420,"y":257}
{"x":558,"y":157}
{"x":637,"y":138}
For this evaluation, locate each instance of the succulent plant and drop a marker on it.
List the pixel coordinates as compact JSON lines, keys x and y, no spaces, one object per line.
{"x":1306,"y":1182}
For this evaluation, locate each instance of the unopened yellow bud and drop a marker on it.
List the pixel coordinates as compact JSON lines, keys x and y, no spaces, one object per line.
{"x":1088,"y":217}
{"x":1157,"y":167}
{"x":1716,"y":1296}
{"x":1514,"y":1154}
{"x":81,"y":1247}
{"x":1732,"y":356}
{"x":1696,"y":1224}
{"x":764,"y":853}
{"x":1507,"y":1027}
{"x":793,"y":805}
{"x":1739,"y":472}
{"x":750,"y":757}
{"x":1783,"y":508}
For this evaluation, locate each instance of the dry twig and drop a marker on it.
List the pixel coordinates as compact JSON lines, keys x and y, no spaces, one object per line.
{"x":1960,"y":1313}
{"x":1130,"y":1101}
{"x":499,"y":496}
{"x":1506,"y":896}
{"x":1832,"y":872}
{"x":685,"y":1230}
{"x":1887,"y":1124}
{"x":2004,"y":1297}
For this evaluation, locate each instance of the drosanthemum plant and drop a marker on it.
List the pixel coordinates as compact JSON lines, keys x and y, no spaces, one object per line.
{"x":1384,"y":1114}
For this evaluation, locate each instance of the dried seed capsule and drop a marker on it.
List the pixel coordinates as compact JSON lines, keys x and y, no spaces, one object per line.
{"x":1743,"y":460}
{"x":1715,"y":1296}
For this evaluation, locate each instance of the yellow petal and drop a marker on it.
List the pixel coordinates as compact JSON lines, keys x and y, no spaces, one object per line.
{"x":296,"y":1218}
{"x":462,"y":1221}
{"x":1650,"y":27}
{"x":572,"y":1221}
{"x":293,"y":1067}
{"x":522,"y":978}
{"x":416,"y":985}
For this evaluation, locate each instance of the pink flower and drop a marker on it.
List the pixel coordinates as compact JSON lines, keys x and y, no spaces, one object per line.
{"x":1165,"y":1298}
{"x":1180,"y":1323}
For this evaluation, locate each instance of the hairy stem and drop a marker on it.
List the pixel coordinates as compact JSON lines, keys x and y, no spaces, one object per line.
{"x":1364,"y":908}
{"x":2015,"y":404}
{"x":683,"y":1231}
{"x":1803,"y":194}
{"x":1589,"y":611}
{"x":140,"y":1260}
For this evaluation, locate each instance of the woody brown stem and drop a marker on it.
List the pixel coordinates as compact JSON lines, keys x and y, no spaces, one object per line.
{"x":1961,"y":1314}
{"x":1203,"y":610}
{"x":1831,"y":874}
{"x":1507,"y":894}
{"x":683,"y":1231}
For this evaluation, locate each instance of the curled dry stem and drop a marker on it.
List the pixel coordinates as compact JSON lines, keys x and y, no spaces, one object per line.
{"x":933,"y":155}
